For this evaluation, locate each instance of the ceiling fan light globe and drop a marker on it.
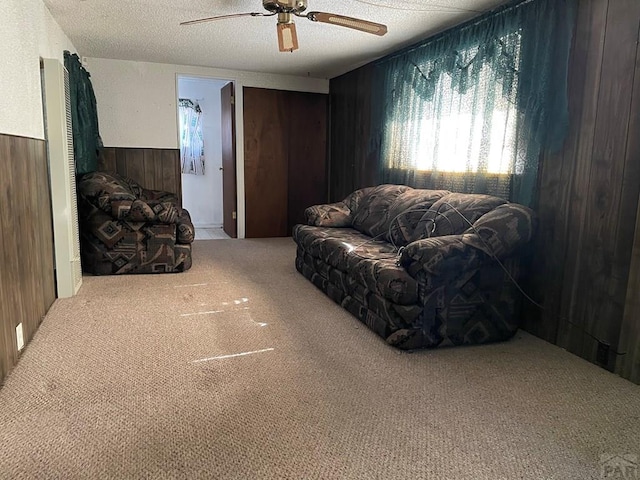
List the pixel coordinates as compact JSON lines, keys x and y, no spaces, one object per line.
{"x":287,"y":37}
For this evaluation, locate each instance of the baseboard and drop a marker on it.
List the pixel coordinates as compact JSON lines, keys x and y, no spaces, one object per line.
{"x":198,"y":225}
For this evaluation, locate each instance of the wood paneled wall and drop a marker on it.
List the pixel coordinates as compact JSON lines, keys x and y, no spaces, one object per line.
{"x":306,"y":130}
{"x":27,"y":285}
{"x":355,"y":155}
{"x":285,"y":138}
{"x":152,"y":168}
{"x":588,"y":193}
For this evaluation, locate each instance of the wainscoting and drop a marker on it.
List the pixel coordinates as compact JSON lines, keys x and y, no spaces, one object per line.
{"x":153,"y":168}
{"x":583,"y":270}
{"x":27,"y":285}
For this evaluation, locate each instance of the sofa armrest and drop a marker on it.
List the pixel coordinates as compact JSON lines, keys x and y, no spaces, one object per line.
{"x":440,"y":256}
{"x":339,"y":214}
{"x":329,"y":215}
{"x":145,"y":211}
{"x":503,"y":230}
{"x":496,"y":235}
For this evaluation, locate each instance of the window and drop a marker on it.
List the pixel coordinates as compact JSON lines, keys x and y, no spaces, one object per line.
{"x":191,"y":141}
{"x":467,"y":122}
{"x":473,"y":108}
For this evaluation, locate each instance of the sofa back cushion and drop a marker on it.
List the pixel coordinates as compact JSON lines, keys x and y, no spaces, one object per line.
{"x":372,"y":214}
{"x":407,"y":210}
{"x":451,"y":214}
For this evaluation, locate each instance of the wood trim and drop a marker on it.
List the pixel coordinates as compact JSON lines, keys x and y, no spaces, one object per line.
{"x":27,"y":284}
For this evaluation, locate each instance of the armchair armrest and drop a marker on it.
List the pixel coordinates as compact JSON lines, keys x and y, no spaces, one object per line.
{"x":145,"y":211}
{"x":158,"y":195}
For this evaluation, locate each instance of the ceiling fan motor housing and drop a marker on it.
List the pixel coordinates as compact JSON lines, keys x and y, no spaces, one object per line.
{"x":285,"y":6}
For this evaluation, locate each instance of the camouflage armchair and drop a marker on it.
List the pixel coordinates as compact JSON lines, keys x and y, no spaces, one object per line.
{"x":421,"y":268}
{"x":125,"y":228}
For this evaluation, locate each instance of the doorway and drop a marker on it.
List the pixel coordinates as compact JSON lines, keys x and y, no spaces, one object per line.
{"x":201,"y":130}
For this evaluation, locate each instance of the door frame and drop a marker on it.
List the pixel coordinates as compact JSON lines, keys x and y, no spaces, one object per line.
{"x":239,"y":129}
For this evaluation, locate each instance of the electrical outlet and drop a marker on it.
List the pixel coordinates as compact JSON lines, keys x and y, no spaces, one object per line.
{"x":19,"y":337}
{"x":602,"y":354}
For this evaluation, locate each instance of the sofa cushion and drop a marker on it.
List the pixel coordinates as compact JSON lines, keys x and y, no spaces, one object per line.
{"x":445,"y":217}
{"x":371,"y":217}
{"x":407,"y":210}
{"x":371,"y":264}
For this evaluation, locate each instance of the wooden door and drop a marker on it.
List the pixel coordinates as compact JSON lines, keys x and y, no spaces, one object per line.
{"x":229,"y":201}
{"x":266,"y":127}
{"x":285,"y":136}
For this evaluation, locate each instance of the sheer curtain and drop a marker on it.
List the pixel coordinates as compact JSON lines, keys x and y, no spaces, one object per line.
{"x":471,"y":109}
{"x":191,"y":141}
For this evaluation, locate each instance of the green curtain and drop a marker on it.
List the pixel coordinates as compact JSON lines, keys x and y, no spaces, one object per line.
{"x":84,"y":116}
{"x":471,"y":109}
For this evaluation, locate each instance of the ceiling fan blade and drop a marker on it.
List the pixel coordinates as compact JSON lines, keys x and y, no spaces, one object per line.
{"x":222,"y":17}
{"x":349,"y":22}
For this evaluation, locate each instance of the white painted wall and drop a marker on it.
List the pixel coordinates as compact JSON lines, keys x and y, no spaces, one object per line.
{"x":28,"y":32}
{"x":202,"y":194}
{"x":137,"y":104}
{"x":137,"y":100}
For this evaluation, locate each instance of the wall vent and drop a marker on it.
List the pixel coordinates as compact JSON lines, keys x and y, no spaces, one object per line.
{"x":62,"y":176}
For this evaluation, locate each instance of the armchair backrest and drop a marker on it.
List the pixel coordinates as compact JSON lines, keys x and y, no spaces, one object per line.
{"x":122,"y":198}
{"x":101,"y":188}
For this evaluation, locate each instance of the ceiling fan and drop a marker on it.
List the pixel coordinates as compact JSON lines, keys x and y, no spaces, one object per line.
{"x":286,"y":9}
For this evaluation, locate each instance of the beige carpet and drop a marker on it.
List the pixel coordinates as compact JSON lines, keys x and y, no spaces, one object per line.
{"x":154,"y":377}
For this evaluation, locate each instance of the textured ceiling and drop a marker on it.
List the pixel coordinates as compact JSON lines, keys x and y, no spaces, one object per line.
{"x":148,"y":30}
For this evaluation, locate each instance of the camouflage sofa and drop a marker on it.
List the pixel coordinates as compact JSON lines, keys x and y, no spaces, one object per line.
{"x":421,"y":268}
{"x":125,"y":228}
